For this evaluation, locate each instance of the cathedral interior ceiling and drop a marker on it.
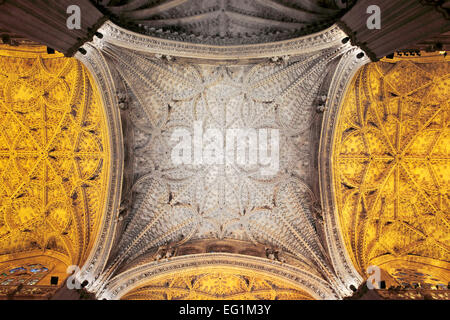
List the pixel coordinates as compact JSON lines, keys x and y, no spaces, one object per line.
{"x":227,"y":22}
{"x":168,"y":204}
{"x":217,"y":265}
{"x":226,"y":245}
{"x":54,"y":157}
{"x":391,"y":169}
{"x":61,"y":154}
{"x":217,"y":283}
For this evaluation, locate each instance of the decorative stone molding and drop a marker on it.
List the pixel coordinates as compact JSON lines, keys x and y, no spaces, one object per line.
{"x":344,"y":73}
{"x":126,"y":39}
{"x":225,"y":22}
{"x":96,"y":64}
{"x":133,"y":278}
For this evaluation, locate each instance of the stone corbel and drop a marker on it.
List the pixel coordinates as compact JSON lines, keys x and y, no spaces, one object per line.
{"x":280,"y":59}
{"x":164,"y":57}
{"x":321,"y":103}
{"x":164,"y":253}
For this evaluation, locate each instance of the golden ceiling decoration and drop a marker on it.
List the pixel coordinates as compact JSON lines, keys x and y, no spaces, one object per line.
{"x":216,"y":284}
{"x":391,"y":167}
{"x":53,"y":155}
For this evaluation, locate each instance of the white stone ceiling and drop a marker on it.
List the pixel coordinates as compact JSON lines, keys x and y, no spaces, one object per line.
{"x":177,"y":203}
{"x":164,"y":87}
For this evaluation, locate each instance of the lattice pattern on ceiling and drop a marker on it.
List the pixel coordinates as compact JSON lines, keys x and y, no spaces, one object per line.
{"x":392,"y":165}
{"x":216,"y":284}
{"x":226,"y":21}
{"x":53,"y":154}
{"x":178,"y":202}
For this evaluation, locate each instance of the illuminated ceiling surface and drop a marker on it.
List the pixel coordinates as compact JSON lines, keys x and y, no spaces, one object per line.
{"x":227,"y":22}
{"x":166,"y":203}
{"x":216,"y":284}
{"x":389,"y":162}
{"x":54,"y":157}
{"x":392,"y":168}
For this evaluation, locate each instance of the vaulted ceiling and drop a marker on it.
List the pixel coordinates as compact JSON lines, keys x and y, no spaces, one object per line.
{"x":216,"y":284}
{"x":178,"y":202}
{"x":54,"y":157}
{"x":391,"y":168}
{"x":165,"y":204}
{"x":227,"y":21}
{"x":87,"y":175}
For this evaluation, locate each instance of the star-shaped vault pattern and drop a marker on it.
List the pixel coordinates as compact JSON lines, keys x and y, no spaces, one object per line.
{"x":392,"y":169}
{"x":53,"y":155}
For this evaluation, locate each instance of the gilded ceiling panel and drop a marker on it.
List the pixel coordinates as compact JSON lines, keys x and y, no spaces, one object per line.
{"x":392,"y":166}
{"x":53,"y":155}
{"x":216,"y":284}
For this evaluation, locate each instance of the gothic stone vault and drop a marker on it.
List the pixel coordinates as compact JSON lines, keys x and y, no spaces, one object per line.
{"x":54,"y":166}
{"x":161,"y":86}
{"x":227,"y":22}
{"x":391,"y":169}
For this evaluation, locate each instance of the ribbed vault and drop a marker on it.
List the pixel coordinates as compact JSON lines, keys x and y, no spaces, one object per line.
{"x":391,"y":168}
{"x":54,"y":158}
{"x":161,"y":89}
{"x":216,"y":284}
{"x":216,"y":276}
{"x":227,"y":21}
{"x":88,"y":177}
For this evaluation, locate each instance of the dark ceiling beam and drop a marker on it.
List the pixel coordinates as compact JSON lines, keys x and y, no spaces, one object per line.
{"x":180,"y":21}
{"x":45,"y":22}
{"x":265,"y":22}
{"x":132,"y":5}
{"x":403,"y":25}
{"x":311,"y":6}
{"x":148,"y":12}
{"x":298,"y":15}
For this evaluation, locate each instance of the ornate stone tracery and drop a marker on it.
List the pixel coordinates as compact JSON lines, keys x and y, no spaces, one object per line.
{"x":391,"y":169}
{"x":214,"y":264}
{"x":53,"y":155}
{"x":176,"y":204}
{"x":227,"y":22}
